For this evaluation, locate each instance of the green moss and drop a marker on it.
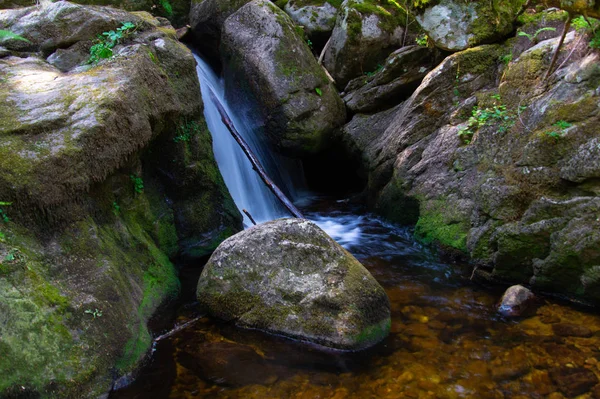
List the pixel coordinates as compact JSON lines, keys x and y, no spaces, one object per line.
{"x":390,"y":13}
{"x":373,"y":334}
{"x":395,"y":205}
{"x":437,"y":225}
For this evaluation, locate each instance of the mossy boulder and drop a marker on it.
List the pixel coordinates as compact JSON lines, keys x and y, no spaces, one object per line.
{"x":457,"y":25}
{"x":317,"y":18}
{"x":366,"y":32}
{"x":289,"y":278}
{"x":267,"y":59}
{"x":175,"y":11}
{"x":107,"y":182}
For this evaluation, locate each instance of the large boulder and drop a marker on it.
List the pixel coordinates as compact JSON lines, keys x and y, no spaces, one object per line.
{"x":317,"y":20}
{"x":365,"y":33}
{"x":490,"y":160}
{"x":288,"y":277}
{"x":206,"y":20}
{"x":457,"y":25}
{"x":263,"y":53}
{"x":109,"y":172}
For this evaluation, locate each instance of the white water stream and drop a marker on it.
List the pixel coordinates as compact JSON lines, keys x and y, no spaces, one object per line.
{"x":244,"y":184}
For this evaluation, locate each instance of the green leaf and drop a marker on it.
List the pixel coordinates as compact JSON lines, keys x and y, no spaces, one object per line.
{"x":6,"y":34}
{"x":5,"y":203}
{"x":319,"y":91}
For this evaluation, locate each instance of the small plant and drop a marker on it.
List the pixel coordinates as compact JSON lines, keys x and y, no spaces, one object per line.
{"x":95,"y":313}
{"x":506,"y":59}
{"x":533,"y":38}
{"x":3,"y":216}
{"x":138,"y":184}
{"x":186,"y":131}
{"x":2,"y":237}
{"x":561,"y":129}
{"x":310,"y":43}
{"x":6,"y":34}
{"x":116,"y":209}
{"x":371,"y":74}
{"x":167,"y":7}
{"x":480,"y":117}
{"x":588,"y":26}
{"x":422,"y":40}
{"x":319,"y":91}
{"x":107,"y":41}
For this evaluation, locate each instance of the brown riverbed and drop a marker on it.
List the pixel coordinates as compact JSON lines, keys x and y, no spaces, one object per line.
{"x":446,"y":342}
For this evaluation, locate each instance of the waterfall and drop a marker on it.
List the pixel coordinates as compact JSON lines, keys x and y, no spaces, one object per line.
{"x":244,"y":184}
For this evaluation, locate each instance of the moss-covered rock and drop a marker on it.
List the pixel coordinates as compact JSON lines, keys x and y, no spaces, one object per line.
{"x":175,"y":10}
{"x":366,"y":32}
{"x":457,"y":25}
{"x":103,"y":192}
{"x":288,"y":277}
{"x":263,"y":54}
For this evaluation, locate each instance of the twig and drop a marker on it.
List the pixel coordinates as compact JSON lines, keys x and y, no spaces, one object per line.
{"x":474,"y":270}
{"x":253,"y":160}
{"x":177,"y":329}
{"x":249,"y":216}
{"x":322,"y":55}
{"x":557,"y":51}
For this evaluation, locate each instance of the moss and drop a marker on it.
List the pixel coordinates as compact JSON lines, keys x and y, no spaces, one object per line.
{"x":395,"y":205}
{"x":373,"y":333}
{"x":494,"y":19}
{"x":391,"y":14}
{"x":437,"y":225}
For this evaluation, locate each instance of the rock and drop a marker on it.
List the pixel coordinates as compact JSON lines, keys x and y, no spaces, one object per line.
{"x":289,"y":278}
{"x":102,"y":196}
{"x":573,"y":381}
{"x":364,"y":35}
{"x":206,"y":21}
{"x":402,"y":72}
{"x":515,"y":301}
{"x":455,"y":25}
{"x":571,"y":330}
{"x":507,"y":193}
{"x":318,"y":20}
{"x":262,"y":52}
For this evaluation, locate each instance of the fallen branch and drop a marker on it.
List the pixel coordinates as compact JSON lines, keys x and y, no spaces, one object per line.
{"x":253,"y":160}
{"x":557,"y":51}
{"x":176,"y":329}
{"x":249,"y":216}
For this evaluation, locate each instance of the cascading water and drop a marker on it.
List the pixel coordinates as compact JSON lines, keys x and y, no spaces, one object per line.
{"x":244,"y":184}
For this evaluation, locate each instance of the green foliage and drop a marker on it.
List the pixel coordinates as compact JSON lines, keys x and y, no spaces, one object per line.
{"x":559,"y":131}
{"x":107,"y":41}
{"x":116,"y":209}
{"x":422,"y":40}
{"x":319,"y":91}
{"x":3,"y":216}
{"x":506,"y":59}
{"x":480,"y":117}
{"x":6,"y":34}
{"x":138,"y":184}
{"x":167,"y":7}
{"x":534,"y":36}
{"x":588,"y":26}
{"x":310,"y":43}
{"x":186,"y":131}
{"x":95,"y":313}
{"x":378,"y":69}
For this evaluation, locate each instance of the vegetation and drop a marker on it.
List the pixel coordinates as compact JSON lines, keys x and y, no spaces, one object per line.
{"x":107,"y":41}
{"x":480,"y":117}
{"x":6,"y":34}
{"x":560,"y":128}
{"x":533,"y":37}
{"x":186,"y":131}
{"x":167,"y":7}
{"x":422,"y":40}
{"x":138,"y":184}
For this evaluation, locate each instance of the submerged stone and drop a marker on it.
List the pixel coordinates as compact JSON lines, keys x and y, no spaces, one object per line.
{"x":288,"y":277}
{"x":515,"y":301}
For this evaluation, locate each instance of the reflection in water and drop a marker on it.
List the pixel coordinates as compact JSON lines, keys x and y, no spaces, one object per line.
{"x":446,"y":339}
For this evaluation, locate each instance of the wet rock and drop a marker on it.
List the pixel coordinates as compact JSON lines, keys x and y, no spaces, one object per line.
{"x":573,"y":381}
{"x":455,"y":25}
{"x":262,"y":52}
{"x":288,"y":277}
{"x":402,"y":72}
{"x":364,"y":35}
{"x":515,"y":301}
{"x":571,"y":330}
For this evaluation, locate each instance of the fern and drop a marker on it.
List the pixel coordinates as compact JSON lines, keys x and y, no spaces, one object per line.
{"x":535,"y":35}
{"x":6,"y":34}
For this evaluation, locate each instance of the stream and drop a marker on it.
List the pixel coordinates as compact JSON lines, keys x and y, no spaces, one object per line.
{"x":446,"y":340}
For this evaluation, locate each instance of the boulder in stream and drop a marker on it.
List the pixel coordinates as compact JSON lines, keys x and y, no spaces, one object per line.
{"x":267,"y":58}
{"x":515,"y":301}
{"x":288,"y":277}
